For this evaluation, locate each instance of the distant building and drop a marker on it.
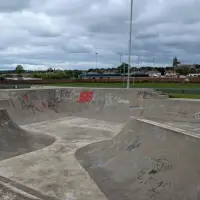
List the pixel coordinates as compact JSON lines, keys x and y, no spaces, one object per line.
{"x":194,"y":75}
{"x":171,"y":73}
{"x":101,"y":76}
{"x":154,"y":74}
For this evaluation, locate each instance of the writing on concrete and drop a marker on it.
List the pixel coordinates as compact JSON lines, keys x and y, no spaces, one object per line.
{"x":108,"y":100}
{"x":53,"y":98}
{"x":30,"y":102}
{"x":145,"y":94}
{"x":197,"y":115}
{"x":135,"y":144}
{"x":148,"y":177}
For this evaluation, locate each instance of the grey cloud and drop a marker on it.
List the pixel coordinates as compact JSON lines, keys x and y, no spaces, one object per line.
{"x":13,"y":5}
{"x":67,"y":33}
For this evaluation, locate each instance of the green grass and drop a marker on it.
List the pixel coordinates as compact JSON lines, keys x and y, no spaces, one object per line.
{"x":137,"y":85}
{"x":175,"y":94}
{"x":184,"y":96}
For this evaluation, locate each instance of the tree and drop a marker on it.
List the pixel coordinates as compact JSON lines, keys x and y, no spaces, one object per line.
{"x":161,"y":70}
{"x":49,"y":69}
{"x":192,"y":71}
{"x":19,"y":69}
{"x":183,"y":71}
{"x":123,"y":68}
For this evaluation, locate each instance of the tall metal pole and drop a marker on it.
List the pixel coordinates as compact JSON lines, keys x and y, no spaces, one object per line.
{"x":121,"y":69}
{"x":96,"y":59}
{"x":138,"y":62}
{"x":124,"y":75}
{"x":130,"y":45}
{"x":120,"y":61}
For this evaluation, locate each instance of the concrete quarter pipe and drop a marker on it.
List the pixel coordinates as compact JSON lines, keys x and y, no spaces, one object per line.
{"x":15,"y":141}
{"x":145,"y":160}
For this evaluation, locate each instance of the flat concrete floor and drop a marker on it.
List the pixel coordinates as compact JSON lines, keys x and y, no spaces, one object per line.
{"x":54,"y":170}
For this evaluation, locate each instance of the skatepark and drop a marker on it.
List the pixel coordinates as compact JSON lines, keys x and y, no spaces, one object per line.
{"x":98,"y":144}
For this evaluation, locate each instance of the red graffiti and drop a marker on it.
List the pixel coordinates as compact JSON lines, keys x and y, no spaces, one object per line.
{"x":33,"y":104}
{"x":44,"y":104}
{"x":26,"y":97}
{"x":85,"y":97}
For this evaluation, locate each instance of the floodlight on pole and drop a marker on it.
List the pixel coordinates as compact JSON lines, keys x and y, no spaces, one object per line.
{"x":96,"y":59}
{"x":130,"y":45}
{"x":138,"y":62}
{"x":120,"y":61}
{"x":122,"y":67}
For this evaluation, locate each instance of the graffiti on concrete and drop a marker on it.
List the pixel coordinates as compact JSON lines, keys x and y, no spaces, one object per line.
{"x":57,"y":97}
{"x":100,"y":101}
{"x":145,"y":94}
{"x":157,"y":188}
{"x":197,"y":115}
{"x":112,"y":100}
{"x":85,"y":97}
{"x":135,"y":144}
{"x":70,"y":196}
{"x":147,"y":177}
{"x":29,"y":101}
{"x":108,"y":100}
{"x":160,"y":165}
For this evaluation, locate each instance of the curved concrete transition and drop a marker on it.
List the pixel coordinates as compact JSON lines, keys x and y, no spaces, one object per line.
{"x":145,"y":161}
{"x":109,"y":144}
{"x":15,"y":141}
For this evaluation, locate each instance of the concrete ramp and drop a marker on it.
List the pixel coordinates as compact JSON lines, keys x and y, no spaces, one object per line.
{"x":145,"y":161}
{"x":15,"y":141}
{"x":172,"y":110}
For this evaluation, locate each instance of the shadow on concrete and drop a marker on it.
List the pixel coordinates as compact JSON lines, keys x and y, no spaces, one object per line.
{"x":15,"y":141}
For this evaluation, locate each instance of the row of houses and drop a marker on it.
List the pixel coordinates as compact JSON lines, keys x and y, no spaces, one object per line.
{"x":112,"y":75}
{"x":136,"y":74}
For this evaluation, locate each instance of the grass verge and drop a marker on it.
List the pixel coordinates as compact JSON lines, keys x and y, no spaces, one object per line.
{"x":137,"y":85}
{"x":184,"y":96}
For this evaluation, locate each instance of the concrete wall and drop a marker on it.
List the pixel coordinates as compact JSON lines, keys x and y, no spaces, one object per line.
{"x":33,"y":105}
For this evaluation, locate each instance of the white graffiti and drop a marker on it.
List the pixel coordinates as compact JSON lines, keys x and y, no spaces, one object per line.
{"x":70,"y":196}
{"x":123,"y":101}
{"x":197,"y":115}
{"x":111,"y":100}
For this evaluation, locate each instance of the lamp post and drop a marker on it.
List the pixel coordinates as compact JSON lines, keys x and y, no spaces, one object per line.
{"x":138,"y":62}
{"x":122,"y":69}
{"x":130,"y":45}
{"x":120,"y":61}
{"x":96,"y":56}
{"x":153,"y":62}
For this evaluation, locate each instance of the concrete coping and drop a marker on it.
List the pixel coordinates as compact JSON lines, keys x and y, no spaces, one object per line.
{"x":166,"y":127}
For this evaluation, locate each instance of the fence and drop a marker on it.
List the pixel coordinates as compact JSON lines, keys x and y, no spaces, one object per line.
{"x":137,"y":80}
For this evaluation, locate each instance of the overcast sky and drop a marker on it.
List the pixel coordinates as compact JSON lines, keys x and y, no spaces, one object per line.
{"x":67,"y":33}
